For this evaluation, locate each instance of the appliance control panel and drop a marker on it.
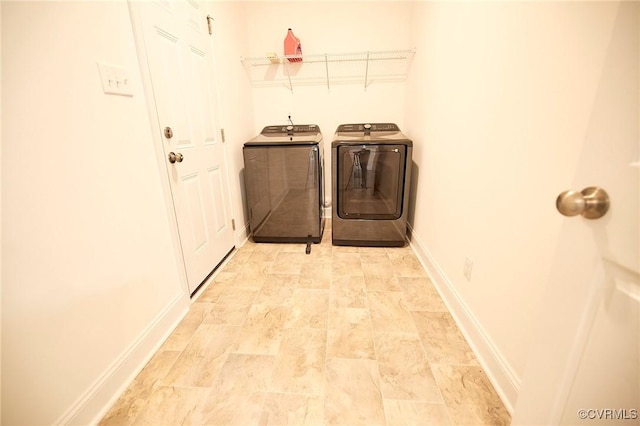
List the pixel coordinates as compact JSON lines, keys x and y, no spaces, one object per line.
{"x":373,"y":127}
{"x":299,"y":128}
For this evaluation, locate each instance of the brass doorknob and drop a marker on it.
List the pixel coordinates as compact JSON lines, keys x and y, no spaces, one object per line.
{"x":592,"y":202}
{"x":173,"y":157}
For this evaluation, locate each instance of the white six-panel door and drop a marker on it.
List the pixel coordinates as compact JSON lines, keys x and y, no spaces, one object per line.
{"x":178,"y":53}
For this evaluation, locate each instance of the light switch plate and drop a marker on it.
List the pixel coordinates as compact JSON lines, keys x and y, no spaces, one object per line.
{"x":115,"y":80}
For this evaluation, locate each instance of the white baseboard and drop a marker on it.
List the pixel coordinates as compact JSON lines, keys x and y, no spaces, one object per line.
{"x":499,"y":372}
{"x":96,"y":401}
{"x":326,"y":212}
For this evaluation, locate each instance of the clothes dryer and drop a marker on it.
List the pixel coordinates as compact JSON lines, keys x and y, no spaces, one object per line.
{"x":371,"y":171}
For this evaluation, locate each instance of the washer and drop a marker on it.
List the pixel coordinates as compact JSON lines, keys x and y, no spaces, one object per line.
{"x":283,"y":174}
{"x":371,"y":170}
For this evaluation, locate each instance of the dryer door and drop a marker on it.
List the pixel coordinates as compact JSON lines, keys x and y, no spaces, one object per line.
{"x":370,"y":181}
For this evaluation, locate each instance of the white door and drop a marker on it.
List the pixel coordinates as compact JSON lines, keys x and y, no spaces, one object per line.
{"x":584,"y":367}
{"x":176,"y":43}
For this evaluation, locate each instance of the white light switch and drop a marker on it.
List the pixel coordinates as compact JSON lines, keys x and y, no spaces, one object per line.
{"x":115,"y":80}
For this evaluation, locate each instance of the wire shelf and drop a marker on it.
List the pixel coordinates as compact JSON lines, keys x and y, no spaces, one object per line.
{"x":328,"y":69}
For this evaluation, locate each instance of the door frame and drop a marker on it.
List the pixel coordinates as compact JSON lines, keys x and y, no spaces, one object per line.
{"x":157,"y":140}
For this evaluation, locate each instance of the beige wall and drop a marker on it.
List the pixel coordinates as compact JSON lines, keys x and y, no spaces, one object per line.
{"x":236,"y":114}
{"x":501,"y":97}
{"x":90,"y":278}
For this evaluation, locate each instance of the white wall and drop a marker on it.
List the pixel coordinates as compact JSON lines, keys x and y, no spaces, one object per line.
{"x":497,"y":100}
{"x":236,"y":114}
{"x":501,"y":94}
{"x":90,"y":280}
{"x":328,"y":27}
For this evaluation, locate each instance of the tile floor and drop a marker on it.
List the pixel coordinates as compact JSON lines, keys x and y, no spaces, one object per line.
{"x":342,"y":336}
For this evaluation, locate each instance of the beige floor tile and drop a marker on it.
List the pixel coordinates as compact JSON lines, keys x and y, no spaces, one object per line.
{"x":401,"y":412}
{"x":450,"y":348}
{"x":237,"y":395}
{"x":281,"y":337}
{"x":434,"y":322}
{"x":288,"y":262}
{"x":406,"y":264}
{"x":252,"y":273}
{"x":300,"y":362}
{"x":134,"y":399}
{"x":245,"y":373}
{"x":264,"y":256}
{"x":315,"y":275}
{"x":292,"y":409}
{"x":470,"y":414}
{"x":237,"y":259}
{"x":389,"y":312}
{"x":420,"y":295}
{"x":345,"y":249}
{"x":353,"y":393}
{"x":469,"y":395}
{"x":297,"y":248}
{"x":227,"y":409}
{"x":168,"y":405}
{"x":310,"y":309}
{"x":183,"y":333}
{"x":262,"y":330}
{"x":199,"y":364}
{"x":350,"y":334}
{"x":348,"y":292}
{"x":376,"y":264}
{"x":346,"y":264}
{"x":389,"y":282}
{"x":320,"y":253}
{"x":258,"y":341}
{"x":375,"y":255}
{"x":232,"y":306}
{"x":277,"y":289}
{"x":404,"y":369}
{"x":216,"y":286}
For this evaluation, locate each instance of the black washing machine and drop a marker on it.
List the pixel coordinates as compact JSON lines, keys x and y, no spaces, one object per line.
{"x":283,"y":175}
{"x":371,"y":170}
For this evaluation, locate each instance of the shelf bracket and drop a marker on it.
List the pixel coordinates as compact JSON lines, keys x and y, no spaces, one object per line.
{"x":286,"y":69}
{"x":366,"y":72}
{"x":326,"y":67}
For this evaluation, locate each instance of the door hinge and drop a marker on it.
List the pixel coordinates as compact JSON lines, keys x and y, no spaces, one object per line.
{"x":210,"y":24}
{"x":233,"y":224}
{"x":222,"y":135}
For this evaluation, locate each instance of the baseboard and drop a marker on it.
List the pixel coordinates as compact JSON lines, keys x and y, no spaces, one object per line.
{"x":326,"y":212}
{"x":495,"y":366}
{"x":97,"y":400}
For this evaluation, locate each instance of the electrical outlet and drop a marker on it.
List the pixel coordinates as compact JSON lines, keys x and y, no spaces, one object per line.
{"x":115,"y":80}
{"x":468,"y":266}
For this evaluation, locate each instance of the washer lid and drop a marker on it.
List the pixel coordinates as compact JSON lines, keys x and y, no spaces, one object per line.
{"x":370,"y":133}
{"x":278,"y":130}
{"x":373,"y":127}
{"x":300,"y":134}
